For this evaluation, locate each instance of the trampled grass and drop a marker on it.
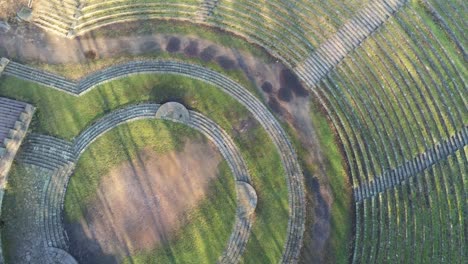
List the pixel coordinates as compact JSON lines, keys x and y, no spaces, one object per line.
{"x":203,"y":238}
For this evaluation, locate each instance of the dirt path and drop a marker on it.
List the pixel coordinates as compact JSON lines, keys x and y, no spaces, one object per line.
{"x":142,"y":202}
{"x":279,"y":87}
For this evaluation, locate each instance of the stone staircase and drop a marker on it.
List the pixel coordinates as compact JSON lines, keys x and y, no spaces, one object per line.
{"x":206,"y":9}
{"x":57,"y":16}
{"x":330,"y":53}
{"x":15,"y":118}
{"x":391,"y":178}
{"x":46,"y":152}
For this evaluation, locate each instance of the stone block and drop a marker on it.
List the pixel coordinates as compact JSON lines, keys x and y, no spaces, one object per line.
{"x":28,"y":108}
{"x":24,"y":14}
{"x":173,"y":111}
{"x":18,"y":125}
{"x":3,"y":63}
{"x":246,"y":199}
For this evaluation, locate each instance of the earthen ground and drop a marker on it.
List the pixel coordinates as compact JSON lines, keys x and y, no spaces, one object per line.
{"x":141,"y":203}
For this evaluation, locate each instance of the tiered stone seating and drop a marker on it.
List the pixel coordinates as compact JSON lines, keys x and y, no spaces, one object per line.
{"x":60,"y":156}
{"x":381,"y":136}
{"x":56,"y":16}
{"x":352,"y":34}
{"x":398,"y":105}
{"x":53,"y":197}
{"x":290,"y":30}
{"x":110,"y":121}
{"x":28,"y":73}
{"x":420,"y":220}
{"x":96,"y":14}
{"x":46,"y":152}
{"x":450,"y":15}
{"x":239,"y":237}
{"x":71,"y":17}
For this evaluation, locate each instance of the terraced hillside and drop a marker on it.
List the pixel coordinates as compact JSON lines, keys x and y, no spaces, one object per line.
{"x":388,"y":76}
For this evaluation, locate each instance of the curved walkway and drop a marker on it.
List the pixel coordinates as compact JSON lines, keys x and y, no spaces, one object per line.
{"x":294,"y":176}
{"x":55,"y":188}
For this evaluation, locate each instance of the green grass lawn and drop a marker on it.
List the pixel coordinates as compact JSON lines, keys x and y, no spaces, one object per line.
{"x":64,"y":116}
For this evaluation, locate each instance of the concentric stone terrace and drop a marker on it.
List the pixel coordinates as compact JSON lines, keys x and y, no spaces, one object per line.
{"x":39,"y":154}
{"x":58,"y":158}
{"x":388,"y":76}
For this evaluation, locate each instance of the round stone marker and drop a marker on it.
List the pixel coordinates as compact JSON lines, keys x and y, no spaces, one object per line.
{"x":246,"y":198}
{"x":173,"y":111}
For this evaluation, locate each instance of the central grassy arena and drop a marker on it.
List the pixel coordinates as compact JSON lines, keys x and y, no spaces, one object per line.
{"x":146,"y":189}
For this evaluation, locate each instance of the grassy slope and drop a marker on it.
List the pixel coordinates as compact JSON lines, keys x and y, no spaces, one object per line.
{"x":181,"y":28}
{"x":341,"y":230}
{"x":341,"y":210}
{"x":65,"y":116}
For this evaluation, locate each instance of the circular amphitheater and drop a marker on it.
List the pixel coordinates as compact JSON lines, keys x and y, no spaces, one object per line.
{"x":233,"y":131}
